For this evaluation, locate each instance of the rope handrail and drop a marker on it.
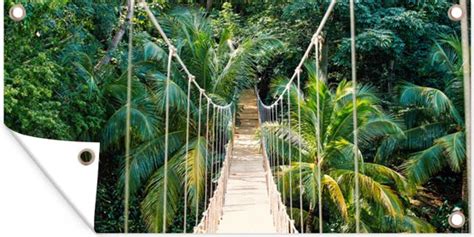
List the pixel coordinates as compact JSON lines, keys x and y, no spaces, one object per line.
{"x":298,"y":68}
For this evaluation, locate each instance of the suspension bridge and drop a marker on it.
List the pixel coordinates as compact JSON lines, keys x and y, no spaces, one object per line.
{"x":242,"y":179}
{"x":247,"y":201}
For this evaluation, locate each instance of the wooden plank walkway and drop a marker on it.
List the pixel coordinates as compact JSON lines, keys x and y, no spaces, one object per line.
{"x":247,"y":207}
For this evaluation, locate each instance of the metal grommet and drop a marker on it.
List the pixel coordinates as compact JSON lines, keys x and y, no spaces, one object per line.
{"x":86,"y":156}
{"x":455,"y":12}
{"x":17,"y":12}
{"x":456,"y":219}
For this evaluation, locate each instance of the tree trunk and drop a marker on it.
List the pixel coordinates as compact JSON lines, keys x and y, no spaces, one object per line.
{"x":465,"y":188}
{"x":389,"y":81}
{"x":208,"y":5}
{"x":309,"y":220}
{"x":465,"y":198}
{"x":116,"y":39}
{"x":324,"y":59}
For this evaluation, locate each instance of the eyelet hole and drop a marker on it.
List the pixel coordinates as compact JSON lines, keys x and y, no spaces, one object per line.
{"x":86,"y":157}
{"x":456,"y":219}
{"x":455,"y":12}
{"x":17,"y":12}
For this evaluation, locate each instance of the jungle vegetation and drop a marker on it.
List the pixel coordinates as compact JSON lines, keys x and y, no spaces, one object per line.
{"x":65,"y":78}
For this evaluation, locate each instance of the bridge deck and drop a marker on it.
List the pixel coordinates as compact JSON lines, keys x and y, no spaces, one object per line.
{"x":247,"y":208}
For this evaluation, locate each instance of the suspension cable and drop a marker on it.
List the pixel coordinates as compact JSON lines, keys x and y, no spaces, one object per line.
{"x":283,"y":152}
{"x":289,"y":152}
{"x":219,"y":141}
{"x":354,"y":115}
{"x":299,"y":148}
{"x":198,"y":149}
{"x":270,"y":134}
{"x":187,"y":154}
{"x":213,"y":148}
{"x":307,"y":52}
{"x":167,"y":108}
{"x":128,"y":111}
{"x":207,"y":155}
{"x":318,"y":136}
{"x":157,"y":25}
{"x":277,"y":144}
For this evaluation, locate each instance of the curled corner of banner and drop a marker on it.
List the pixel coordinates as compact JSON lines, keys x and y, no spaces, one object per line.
{"x":71,"y":172}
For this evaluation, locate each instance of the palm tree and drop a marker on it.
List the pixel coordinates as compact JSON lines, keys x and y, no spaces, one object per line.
{"x":221,"y":70}
{"x":384,"y":191}
{"x":434,"y":118}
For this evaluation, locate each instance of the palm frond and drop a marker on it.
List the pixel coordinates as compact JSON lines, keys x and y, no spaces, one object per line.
{"x":195,"y":169}
{"x":407,"y":223}
{"x":152,"y":207}
{"x":335,"y":194}
{"x":378,"y":127}
{"x":422,"y":165}
{"x":423,"y":136}
{"x":455,"y":149}
{"x":429,"y":98}
{"x":148,"y":157}
{"x":372,"y":190}
{"x":387,"y":176}
{"x":143,"y":120}
{"x":340,"y":154}
{"x":153,"y":52}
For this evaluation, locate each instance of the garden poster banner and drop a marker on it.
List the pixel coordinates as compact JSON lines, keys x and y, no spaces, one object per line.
{"x":246,"y":117}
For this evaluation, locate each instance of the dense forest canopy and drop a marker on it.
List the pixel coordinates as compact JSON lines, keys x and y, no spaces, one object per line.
{"x":71,"y":85}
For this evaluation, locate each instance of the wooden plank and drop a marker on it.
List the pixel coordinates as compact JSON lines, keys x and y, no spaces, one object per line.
{"x":247,"y":207}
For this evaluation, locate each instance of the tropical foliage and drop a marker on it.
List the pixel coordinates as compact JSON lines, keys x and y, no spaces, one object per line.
{"x":435,"y":117}
{"x":70,"y":84}
{"x":384,"y":191}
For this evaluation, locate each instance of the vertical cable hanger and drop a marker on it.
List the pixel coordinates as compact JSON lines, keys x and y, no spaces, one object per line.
{"x":270,"y":111}
{"x":274,"y":150}
{"x":198,"y":149}
{"x":318,"y":134}
{"x":131,"y":7}
{"x":270,"y":135}
{"x":354,"y":115}
{"x":216,"y":145}
{"x":219,"y":141}
{"x":277,"y":144}
{"x":222,"y":140}
{"x":167,"y":108}
{"x":298,"y":75}
{"x":213,"y":146}
{"x":289,"y":152}
{"x":283,"y":151}
{"x":187,"y":154}
{"x":206,"y":173}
